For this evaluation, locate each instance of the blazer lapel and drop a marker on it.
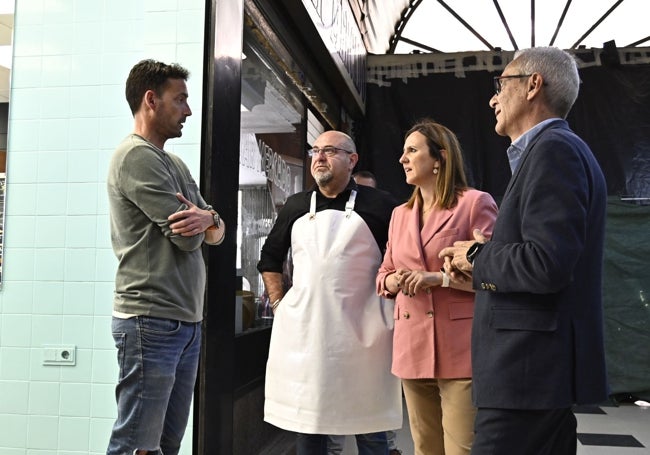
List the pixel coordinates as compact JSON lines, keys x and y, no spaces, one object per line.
{"x":414,"y":230}
{"x":434,"y":223}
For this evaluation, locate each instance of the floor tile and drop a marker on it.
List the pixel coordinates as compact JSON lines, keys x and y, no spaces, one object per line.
{"x":608,"y":429}
{"x":610,"y":440}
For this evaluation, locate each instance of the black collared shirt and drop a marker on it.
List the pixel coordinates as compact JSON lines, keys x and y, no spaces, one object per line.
{"x":372,"y":205}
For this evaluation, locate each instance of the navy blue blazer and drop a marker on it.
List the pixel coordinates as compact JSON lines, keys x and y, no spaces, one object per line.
{"x":537,"y":337}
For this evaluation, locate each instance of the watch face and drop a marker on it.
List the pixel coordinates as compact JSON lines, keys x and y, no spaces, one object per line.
{"x":472,"y":252}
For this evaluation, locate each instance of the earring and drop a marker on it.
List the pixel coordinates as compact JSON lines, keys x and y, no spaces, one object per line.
{"x":435,"y":170}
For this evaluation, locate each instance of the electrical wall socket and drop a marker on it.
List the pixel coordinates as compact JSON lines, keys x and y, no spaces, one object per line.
{"x":59,"y":354}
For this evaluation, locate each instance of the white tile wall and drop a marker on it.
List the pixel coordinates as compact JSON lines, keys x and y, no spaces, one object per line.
{"x":67,"y":113}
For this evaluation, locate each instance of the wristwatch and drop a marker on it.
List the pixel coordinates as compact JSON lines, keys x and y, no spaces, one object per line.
{"x":216,"y":219}
{"x":473,"y":251}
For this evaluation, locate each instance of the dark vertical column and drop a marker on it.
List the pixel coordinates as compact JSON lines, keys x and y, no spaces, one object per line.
{"x":213,"y":416}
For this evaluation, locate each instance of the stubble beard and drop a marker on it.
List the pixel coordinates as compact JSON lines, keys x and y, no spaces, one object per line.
{"x":323,"y":177}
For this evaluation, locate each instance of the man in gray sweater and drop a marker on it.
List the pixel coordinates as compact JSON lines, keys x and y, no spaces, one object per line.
{"x":159,"y":221}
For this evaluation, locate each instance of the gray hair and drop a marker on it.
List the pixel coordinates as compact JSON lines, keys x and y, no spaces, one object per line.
{"x":559,"y":70}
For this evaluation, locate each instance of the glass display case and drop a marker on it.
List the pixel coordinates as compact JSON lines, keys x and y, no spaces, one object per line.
{"x":271,"y":162}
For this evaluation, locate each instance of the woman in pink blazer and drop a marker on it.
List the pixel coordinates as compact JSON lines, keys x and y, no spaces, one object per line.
{"x":433,"y":315}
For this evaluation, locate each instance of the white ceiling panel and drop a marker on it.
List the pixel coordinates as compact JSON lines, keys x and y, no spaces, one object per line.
{"x":440,"y":25}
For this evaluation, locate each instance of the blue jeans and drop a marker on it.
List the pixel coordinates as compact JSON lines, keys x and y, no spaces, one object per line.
{"x":158,"y":360}
{"x":335,"y":442}
{"x":367,"y":444}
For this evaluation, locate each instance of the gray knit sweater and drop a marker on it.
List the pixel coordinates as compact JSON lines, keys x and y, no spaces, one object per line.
{"x":159,"y":274}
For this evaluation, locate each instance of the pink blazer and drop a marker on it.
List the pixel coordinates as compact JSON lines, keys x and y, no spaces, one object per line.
{"x":432,"y":331}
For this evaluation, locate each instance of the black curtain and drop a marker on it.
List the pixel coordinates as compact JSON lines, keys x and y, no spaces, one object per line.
{"x":627,"y":298}
{"x":612,"y":114}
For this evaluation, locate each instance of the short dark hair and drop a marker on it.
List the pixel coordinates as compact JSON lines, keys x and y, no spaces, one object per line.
{"x":365,"y":175}
{"x":150,"y":75}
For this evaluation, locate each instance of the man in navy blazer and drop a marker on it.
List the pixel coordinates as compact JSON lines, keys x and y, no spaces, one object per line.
{"x":537,"y":337}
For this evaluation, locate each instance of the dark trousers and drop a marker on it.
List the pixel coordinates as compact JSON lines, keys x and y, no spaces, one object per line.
{"x":525,"y":432}
{"x":367,"y":444}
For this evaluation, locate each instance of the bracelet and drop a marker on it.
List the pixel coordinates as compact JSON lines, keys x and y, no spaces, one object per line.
{"x":220,"y":240}
{"x":445,"y":279}
{"x":275,"y":304}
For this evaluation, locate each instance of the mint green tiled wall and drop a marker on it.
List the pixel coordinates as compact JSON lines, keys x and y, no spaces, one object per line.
{"x":67,"y":113}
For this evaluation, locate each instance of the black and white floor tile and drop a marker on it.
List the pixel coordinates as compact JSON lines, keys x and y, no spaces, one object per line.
{"x":616,"y":428}
{"x":613,"y":428}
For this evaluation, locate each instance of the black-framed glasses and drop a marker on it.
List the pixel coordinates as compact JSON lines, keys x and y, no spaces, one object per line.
{"x":498,"y":79}
{"x":328,"y":151}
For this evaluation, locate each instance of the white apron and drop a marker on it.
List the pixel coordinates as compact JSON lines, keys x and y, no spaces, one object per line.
{"x":329,"y":363}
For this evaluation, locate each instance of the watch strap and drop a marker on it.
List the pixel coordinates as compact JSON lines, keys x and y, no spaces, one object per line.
{"x":473,"y":251}
{"x":216,"y":219}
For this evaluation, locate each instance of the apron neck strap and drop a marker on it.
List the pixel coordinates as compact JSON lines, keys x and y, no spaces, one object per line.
{"x":349,"y":206}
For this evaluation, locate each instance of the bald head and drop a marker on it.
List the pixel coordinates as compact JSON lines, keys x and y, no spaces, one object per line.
{"x":337,"y":139}
{"x":332,"y":165}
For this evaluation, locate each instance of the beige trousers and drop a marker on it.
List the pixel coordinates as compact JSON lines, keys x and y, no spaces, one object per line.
{"x":441,"y":415}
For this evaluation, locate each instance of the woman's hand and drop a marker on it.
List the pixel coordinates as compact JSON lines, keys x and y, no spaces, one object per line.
{"x":413,"y":281}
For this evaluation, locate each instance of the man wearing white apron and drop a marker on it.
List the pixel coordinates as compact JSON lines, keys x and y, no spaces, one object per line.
{"x":328,"y":370}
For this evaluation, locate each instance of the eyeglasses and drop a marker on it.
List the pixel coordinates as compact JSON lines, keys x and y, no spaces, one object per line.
{"x":328,"y":151}
{"x":498,"y":81}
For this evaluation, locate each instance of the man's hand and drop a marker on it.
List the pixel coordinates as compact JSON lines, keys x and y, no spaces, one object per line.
{"x":455,"y":257}
{"x":191,"y":221}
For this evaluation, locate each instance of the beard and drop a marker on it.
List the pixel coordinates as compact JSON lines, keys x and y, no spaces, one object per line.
{"x":323,"y":177}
